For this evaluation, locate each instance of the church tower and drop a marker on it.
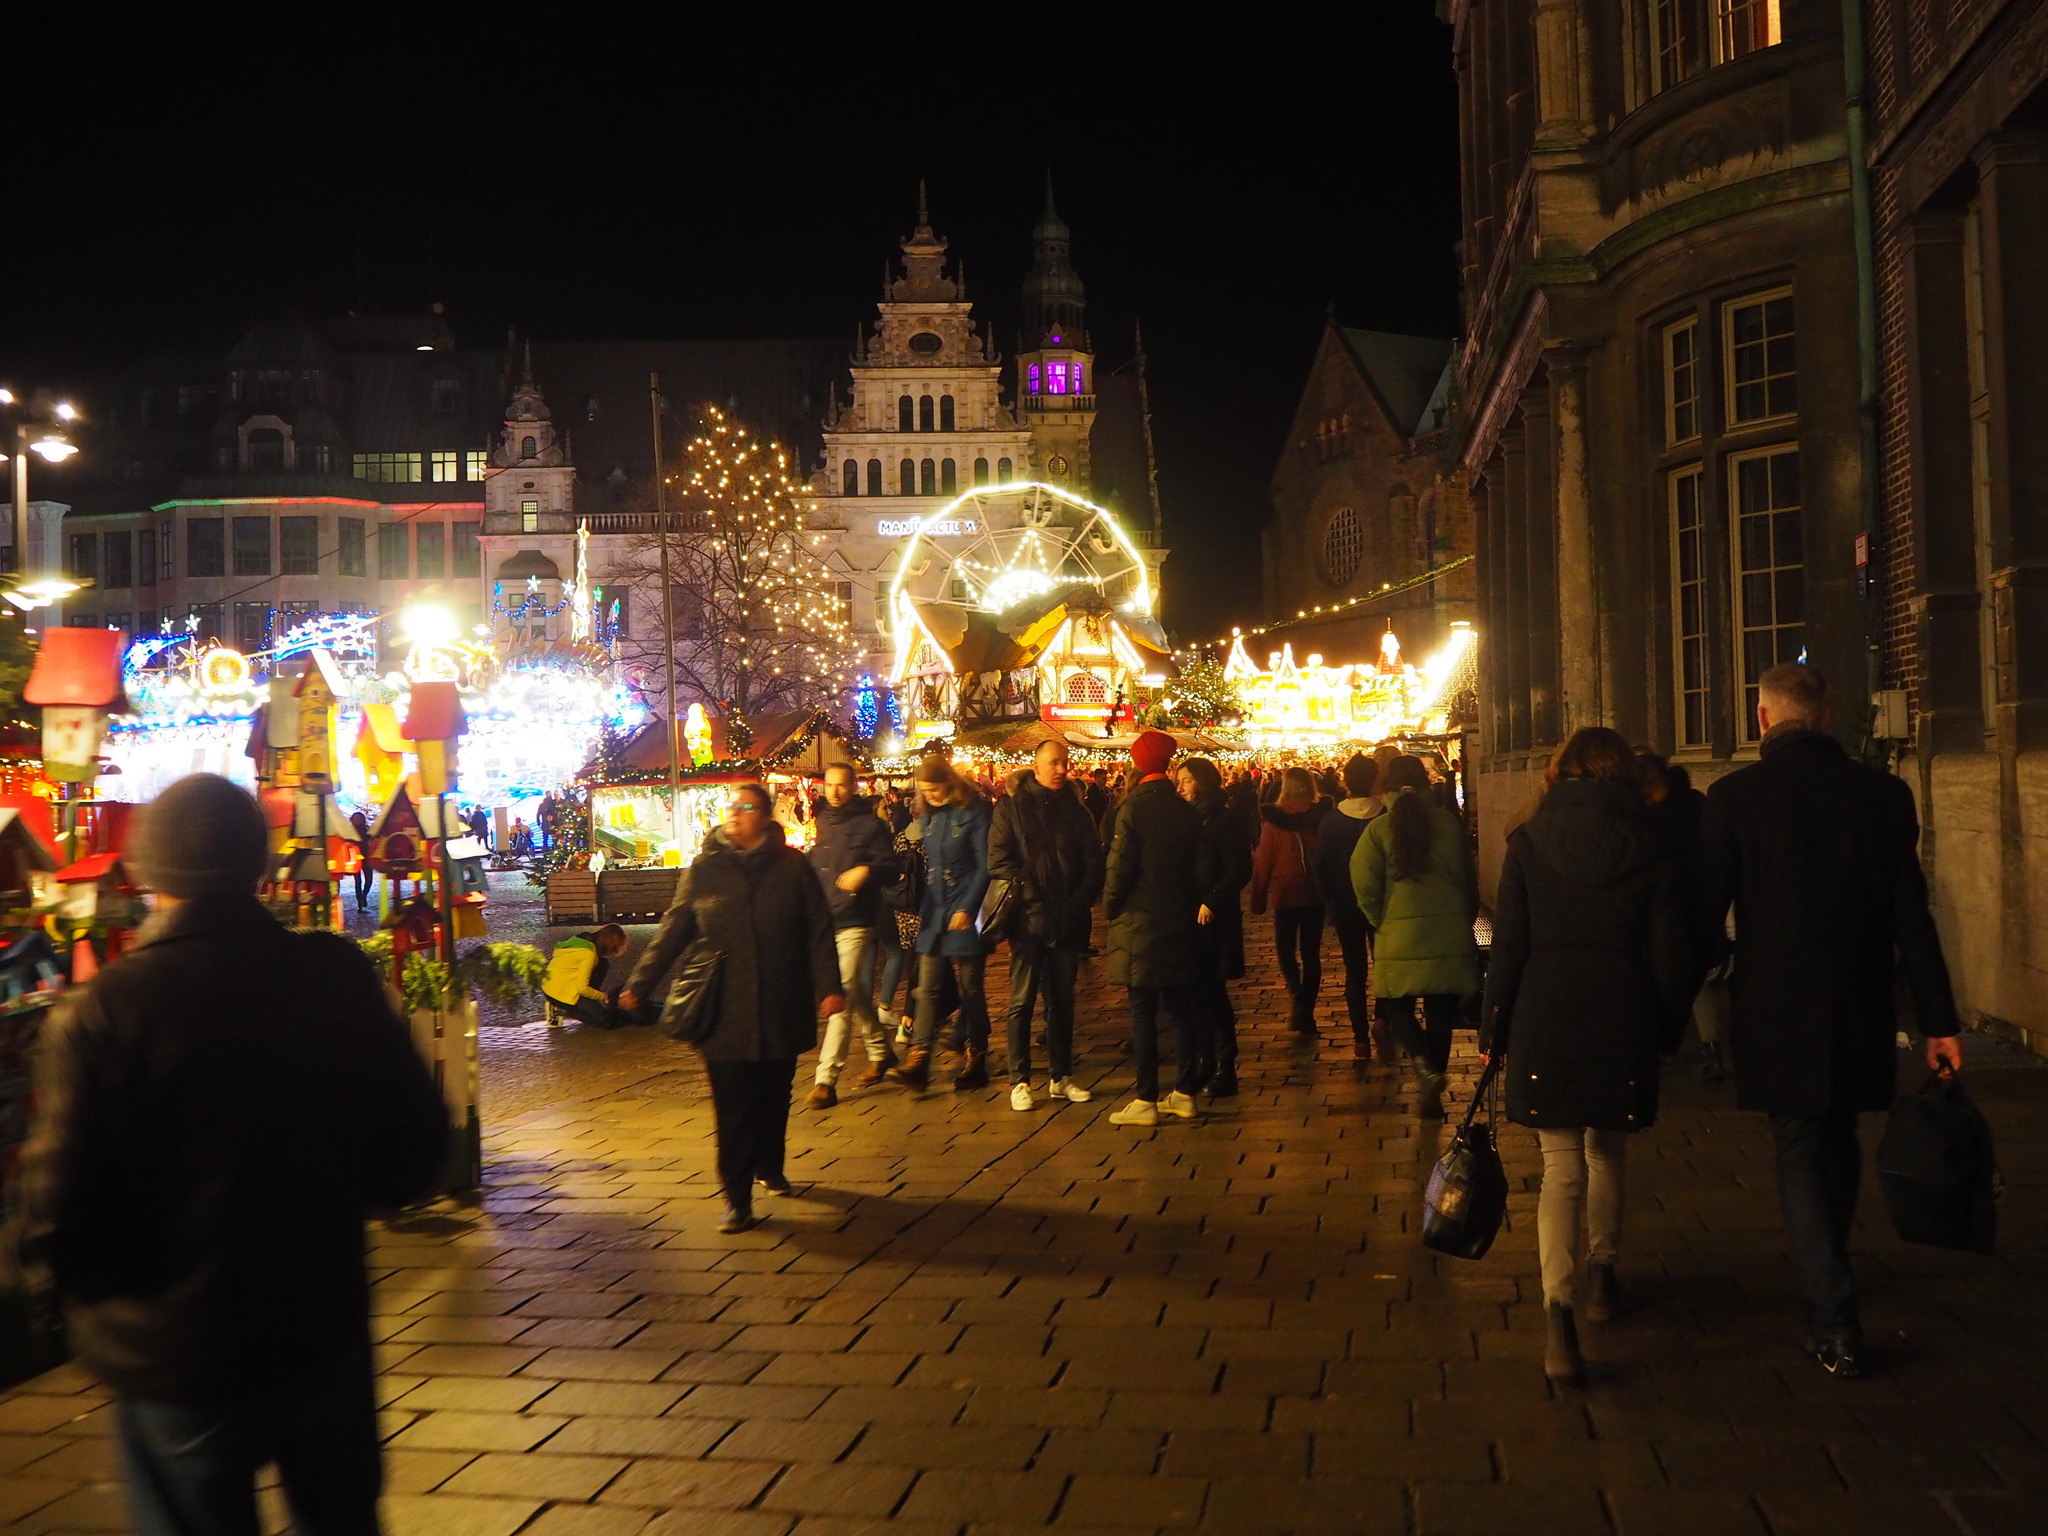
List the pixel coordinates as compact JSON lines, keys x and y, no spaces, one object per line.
{"x":528,"y":546}
{"x":1055,"y":365}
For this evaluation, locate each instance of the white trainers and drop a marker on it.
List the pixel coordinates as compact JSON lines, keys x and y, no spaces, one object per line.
{"x":1177,"y":1103}
{"x":1066,"y":1088}
{"x":1020,"y":1096}
{"x":1137,"y":1112}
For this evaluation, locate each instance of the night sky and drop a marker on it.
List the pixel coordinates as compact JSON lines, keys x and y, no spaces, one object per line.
{"x":1225,"y":178}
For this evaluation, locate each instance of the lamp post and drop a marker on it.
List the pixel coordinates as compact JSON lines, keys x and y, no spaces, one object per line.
{"x":38,"y":426}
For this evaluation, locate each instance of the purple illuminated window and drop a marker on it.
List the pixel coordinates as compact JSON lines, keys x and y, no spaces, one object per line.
{"x":1079,"y":387}
{"x":1059,"y":378}
{"x":1034,"y":379}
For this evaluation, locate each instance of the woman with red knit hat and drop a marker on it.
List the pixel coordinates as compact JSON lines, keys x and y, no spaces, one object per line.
{"x":1151,"y":897}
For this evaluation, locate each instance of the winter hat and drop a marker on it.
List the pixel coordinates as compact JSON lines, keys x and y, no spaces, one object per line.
{"x":1151,"y":752}
{"x":204,"y":836}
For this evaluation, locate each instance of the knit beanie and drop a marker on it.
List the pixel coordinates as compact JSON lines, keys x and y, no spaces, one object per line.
{"x":204,"y":836}
{"x":1151,"y":752}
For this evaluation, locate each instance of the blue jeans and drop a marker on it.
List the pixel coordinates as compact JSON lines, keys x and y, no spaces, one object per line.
{"x":895,"y":960}
{"x":1819,"y":1169}
{"x":966,"y":971}
{"x":191,"y":1469}
{"x":1181,"y":1004}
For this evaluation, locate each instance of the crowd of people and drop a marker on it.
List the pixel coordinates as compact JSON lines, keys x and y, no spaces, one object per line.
{"x":1620,"y":893}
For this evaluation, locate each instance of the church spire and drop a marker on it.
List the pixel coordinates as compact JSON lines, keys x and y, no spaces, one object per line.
{"x":924,"y":262}
{"x":1055,"y":303}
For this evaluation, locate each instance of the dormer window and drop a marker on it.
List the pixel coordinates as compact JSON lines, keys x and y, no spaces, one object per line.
{"x":529,"y":448}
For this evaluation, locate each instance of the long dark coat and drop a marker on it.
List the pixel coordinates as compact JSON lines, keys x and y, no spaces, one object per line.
{"x":1046,"y":841}
{"x":1224,"y":869}
{"x":763,"y":910}
{"x":1819,"y":855}
{"x":1153,"y":890}
{"x":1592,"y":973}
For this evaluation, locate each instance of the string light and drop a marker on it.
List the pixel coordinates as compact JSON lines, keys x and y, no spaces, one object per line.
{"x":1386,"y":590}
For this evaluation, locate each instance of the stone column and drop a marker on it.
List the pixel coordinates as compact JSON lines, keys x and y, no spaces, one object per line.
{"x":1564,"y":75}
{"x":1511,"y":645}
{"x":1539,"y":501}
{"x":1581,"y":637}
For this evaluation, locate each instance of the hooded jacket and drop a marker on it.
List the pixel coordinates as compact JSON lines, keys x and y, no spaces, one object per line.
{"x":1045,"y":840}
{"x":762,"y":910}
{"x":1336,"y":840}
{"x":1283,"y":873}
{"x":1592,"y":974}
{"x":216,"y":1114}
{"x":845,"y":837}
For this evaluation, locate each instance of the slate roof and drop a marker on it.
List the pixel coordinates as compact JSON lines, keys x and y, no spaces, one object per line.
{"x":1406,"y":370}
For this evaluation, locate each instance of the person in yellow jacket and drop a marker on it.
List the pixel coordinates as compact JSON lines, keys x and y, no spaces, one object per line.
{"x":574,"y":984}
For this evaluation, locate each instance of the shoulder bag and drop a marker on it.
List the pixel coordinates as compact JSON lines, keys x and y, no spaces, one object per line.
{"x":1938,"y":1169}
{"x":691,"y":1012}
{"x":1468,"y":1188}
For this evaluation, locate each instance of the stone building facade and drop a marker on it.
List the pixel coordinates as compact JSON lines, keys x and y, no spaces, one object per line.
{"x":1368,"y":501}
{"x":1661,"y":420}
{"x":1959,"y":145}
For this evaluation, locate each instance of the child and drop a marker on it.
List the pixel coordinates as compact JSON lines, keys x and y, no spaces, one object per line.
{"x":574,"y":984}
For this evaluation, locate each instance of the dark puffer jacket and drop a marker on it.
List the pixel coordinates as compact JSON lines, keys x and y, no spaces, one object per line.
{"x":763,"y":911}
{"x":215,"y":1115}
{"x":846,"y":837}
{"x":1153,"y":890}
{"x":1224,"y":869}
{"x":1591,"y":975}
{"x":1045,"y":840}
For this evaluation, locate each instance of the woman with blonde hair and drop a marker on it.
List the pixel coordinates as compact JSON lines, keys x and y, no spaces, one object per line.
{"x":1591,"y":978}
{"x":1284,"y":878}
{"x":954,"y":821}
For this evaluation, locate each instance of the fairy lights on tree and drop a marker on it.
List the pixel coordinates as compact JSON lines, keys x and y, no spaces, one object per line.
{"x":759,"y":625}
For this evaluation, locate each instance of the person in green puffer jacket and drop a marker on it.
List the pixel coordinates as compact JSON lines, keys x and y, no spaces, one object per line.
{"x":1413,"y":876}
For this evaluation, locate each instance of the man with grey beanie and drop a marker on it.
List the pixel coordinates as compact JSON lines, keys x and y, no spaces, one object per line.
{"x":217,"y":1113}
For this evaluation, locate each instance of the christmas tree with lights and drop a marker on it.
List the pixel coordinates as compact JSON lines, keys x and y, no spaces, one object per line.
{"x":759,"y":624}
{"x":1203,"y":695}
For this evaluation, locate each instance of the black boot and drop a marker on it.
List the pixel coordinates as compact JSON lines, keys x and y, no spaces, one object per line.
{"x":1562,"y":1362}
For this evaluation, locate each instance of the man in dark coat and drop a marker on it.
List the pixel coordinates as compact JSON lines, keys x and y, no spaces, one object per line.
{"x":215,"y":1116}
{"x":1224,"y":868}
{"x":855,"y":857}
{"x":1045,"y":843}
{"x":1151,"y":898}
{"x":1819,"y":855}
{"x":1336,"y":840}
{"x":756,"y":901}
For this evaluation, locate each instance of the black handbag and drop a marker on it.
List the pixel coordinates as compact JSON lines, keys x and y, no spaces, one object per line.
{"x":1938,"y":1170}
{"x":1468,"y":1188}
{"x":691,"y":1012}
{"x":998,"y":906}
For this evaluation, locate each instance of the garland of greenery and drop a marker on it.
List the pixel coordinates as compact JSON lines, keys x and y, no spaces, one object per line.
{"x":504,"y":974}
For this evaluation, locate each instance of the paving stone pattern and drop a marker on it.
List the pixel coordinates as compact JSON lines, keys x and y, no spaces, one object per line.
{"x":971,"y":1321}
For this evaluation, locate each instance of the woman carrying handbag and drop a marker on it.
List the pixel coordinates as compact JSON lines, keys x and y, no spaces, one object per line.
{"x":753,"y":918}
{"x":1589,"y":986}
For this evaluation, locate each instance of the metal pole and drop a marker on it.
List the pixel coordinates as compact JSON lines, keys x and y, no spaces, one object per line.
{"x":668,"y":625}
{"x":20,"y":504}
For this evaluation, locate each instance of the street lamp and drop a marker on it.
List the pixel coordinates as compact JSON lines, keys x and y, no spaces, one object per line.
{"x":38,"y":427}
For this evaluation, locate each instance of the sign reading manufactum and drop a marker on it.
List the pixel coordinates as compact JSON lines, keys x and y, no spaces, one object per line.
{"x":904,"y":527}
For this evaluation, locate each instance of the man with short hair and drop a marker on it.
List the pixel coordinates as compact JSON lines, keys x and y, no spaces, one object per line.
{"x":1818,"y":854}
{"x":1045,"y":843}
{"x":216,"y":1114}
{"x":854,"y":855}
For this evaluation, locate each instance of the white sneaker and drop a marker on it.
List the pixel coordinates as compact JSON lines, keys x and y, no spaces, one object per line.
{"x":1178,"y":1103}
{"x":1066,"y":1088}
{"x":903,"y":1031}
{"x":1137,"y":1112}
{"x":1020,"y":1096}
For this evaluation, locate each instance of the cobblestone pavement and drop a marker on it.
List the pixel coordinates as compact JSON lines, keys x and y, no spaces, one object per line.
{"x":970,"y":1321}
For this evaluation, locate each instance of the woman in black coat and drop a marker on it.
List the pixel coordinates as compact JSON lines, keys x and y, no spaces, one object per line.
{"x":1588,"y":987}
{"x":758,"y":903}
{"x":1222,"y":870}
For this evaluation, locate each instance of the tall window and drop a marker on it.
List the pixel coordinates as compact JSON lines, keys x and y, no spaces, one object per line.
{"x":1056,"y":378}
{"x":924,"y":413}
{"x":1770,"y":567}
{"x":529,"y":517}
{"x":252,"y":624}
{"x":468,"y":553}
{"x":1079,"y":387}
{"x":1685,"y":36}
{"x":394,"y":551}
{"x":354,"y":546}
{"x":1689,"y":607}
{"x":252,"y":546}
{"x":205,"y":549}
{"x":1681,"y":383}
{"x":168,"y":551}
{"x":444,"y":464}
{"x":83,"y":558}
{"x":387,"y":466}
{"x":1760,"y":358}
{"x":945,"y":413}
{"x":1003,"y":471}
{"x":1034,"y":389}
{"x":529,"y":448}
{"x":298,"y":546}
{"x":266,"y":450}
{"x":928,"y":477}
{"x":209,"y":616}
{"x":431,"y":553}
{"x":981,"y":471}
{"x":1745,"y":26}
{"x":906,"y":479}
{"x":120,"y":566}
{"x":906,"y":414}
{"x":473,"y":462}
{"x":849,"y":478}
{"x":874,"y":477}
{"x":948,"y":478}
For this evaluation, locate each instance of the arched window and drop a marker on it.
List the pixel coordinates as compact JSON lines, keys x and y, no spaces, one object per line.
{"x":904,"y":416}
{"x":1034,"y":380}
{"x":928,"y":474}
{"x":945,"y":413}
{"x":529,"y":448}
{"x":924,"y":413}
{"x":874,"y":477}
{"x":1002,"y":471}
{"x":1085,"y":688}
{"x":266,"y":450}
{"x":948,"y":483}
{"x":906,"y":479}
{"x":981,"y":471}
{"x":849,"y":478}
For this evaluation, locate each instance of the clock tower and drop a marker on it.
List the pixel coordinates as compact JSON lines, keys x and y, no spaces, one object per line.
{"x":1055,"y":363}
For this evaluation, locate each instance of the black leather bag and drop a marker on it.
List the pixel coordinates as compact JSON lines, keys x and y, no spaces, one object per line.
{"x":1938,"y":1169}
{"x":1468,"y":1188}
{"x":998,"y":907}
{"x":691,"y":1012}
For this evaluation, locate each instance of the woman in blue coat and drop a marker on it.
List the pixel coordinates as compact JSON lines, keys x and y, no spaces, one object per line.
{"x":955,"y":820}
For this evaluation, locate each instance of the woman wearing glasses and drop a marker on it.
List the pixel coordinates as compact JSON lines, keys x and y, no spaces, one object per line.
{"x":757,"y":902}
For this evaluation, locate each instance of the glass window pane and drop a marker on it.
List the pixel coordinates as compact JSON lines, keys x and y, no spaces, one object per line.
{"x":431,"y":551}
